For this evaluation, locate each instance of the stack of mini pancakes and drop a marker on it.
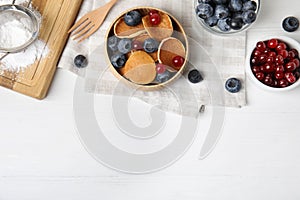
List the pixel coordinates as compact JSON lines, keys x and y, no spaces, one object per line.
{"x":140,"y":67}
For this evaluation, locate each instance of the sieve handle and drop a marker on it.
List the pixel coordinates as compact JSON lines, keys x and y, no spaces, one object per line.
{"x":13,"y":3}
{"x":1,"y":58}
{"x":29,"y":2}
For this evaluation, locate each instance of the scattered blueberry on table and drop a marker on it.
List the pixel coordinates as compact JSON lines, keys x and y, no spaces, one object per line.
{"x":290,"y":24}
{"x":227,"y":14}
{"x":194,"y":76}
{"x":233,"y":85}
{"x":80,"y":61}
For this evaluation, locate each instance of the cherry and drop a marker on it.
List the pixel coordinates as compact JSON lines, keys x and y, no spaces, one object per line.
{"x":297,"y":62}
{"x":256,"y":52}
{"x":279,"y":75}
{"x":295,"y":52}
{"x":178,"y":62}
{"x":256,"y":69}
{"x":160,"y":68}
{"x":269,"y":68}
{"x":255,"y":60}
{"x":155,"y":19}
{"x":279,"y":60}
{"x":270,"y":59}
{"x":151,"y":12}
{"x":260,"y":76}
{"x":266,"y":51}
{"x":268,"y":80}
{"x":276,"y":83}
{"x":290,"y":77}
{"x":136,"y":45}
{"x":262,"y":58}
{"x":272,"y":43}
{"x":281,"y":46}
{"x":284,"y":53}
{"x":261,"y":46}
{"x":290,"y":66}
{"x":297,"y":74}
{"x":279,"y":68}
{"x":283,"y":83}
{"x":291,"y":55}
{"x":272,"y":54}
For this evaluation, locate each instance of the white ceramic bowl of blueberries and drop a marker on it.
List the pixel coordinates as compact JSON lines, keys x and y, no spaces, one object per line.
{"x":273,"y":63}
{"x":226,"y":16}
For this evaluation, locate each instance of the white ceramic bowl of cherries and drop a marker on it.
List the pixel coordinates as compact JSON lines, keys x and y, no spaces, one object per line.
{"x":274,"y":63}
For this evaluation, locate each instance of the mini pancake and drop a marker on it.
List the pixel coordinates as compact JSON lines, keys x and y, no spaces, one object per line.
{"x":161,"y":31}
{"x":170,"y":48}
{"x":140,"y":68}
{"x":122,"y":30}
{"x":141,"y":38}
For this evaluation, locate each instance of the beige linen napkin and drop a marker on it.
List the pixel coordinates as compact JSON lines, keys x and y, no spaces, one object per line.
{"x":217,"y":58}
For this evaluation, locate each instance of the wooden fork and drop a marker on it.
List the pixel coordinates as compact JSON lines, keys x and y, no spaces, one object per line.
{"x":90,"y":22}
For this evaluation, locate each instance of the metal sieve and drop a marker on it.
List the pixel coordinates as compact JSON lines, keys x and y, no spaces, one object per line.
{"x":25,"y":12}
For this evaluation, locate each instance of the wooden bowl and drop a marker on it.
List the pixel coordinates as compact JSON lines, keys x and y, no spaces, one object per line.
{"x":178,"y":33}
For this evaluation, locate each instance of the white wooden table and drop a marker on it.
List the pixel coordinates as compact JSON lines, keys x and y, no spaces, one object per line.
{"x":258,"y":156}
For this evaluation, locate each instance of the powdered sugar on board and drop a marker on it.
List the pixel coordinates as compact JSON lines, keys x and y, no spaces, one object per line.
{"x":19,"y":61}
{"x":15,"y":32}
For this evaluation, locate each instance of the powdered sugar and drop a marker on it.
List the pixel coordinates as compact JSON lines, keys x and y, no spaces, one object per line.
{"x":19,"y":61}
{"x":15,"y":30}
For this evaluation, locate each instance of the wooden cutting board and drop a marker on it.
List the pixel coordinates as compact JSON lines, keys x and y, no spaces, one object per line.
{"x":58,"y":16}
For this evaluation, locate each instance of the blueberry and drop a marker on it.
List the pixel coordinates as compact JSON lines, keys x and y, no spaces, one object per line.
{"x":133,"y":18}
{"x":221,"y":12}
{"x":124,"y":46}
{"x":235,"y":5}
{"x":249,"y":16}
{"x":249,"y":5}
{"x":80,"y":61}
{"x":150,"y":45}
{"x":164,"y":77}
{"x":204,"y":10}
{"x":211,"y":21}
{"x":223,"y":25}
{"x":220,"y":1}
{"x":290,"y":24}
{"x":118,"y":60}
{"x":236,"y":23}
{"x":195,"y":76}
{"x":205,"y":1}
{"x":237,"y":15}
{"x":233,"y":85}
{"x":113,"y":43}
